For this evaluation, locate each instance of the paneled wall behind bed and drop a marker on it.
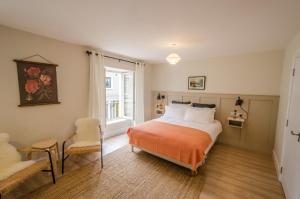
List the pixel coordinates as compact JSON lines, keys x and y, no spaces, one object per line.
{"x":258,"y":131}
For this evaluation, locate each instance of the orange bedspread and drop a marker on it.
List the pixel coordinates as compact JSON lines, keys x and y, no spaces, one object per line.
{"x":184,"y":144}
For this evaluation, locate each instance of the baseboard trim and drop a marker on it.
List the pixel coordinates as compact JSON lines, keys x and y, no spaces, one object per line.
{"x":277,"y":165}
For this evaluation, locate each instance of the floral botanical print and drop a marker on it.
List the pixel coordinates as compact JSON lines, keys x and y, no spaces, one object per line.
{"x":37,"y":83}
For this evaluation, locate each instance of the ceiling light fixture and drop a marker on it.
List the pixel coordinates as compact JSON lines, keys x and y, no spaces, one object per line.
{"x":173,"y":58}
{"x":172,"y":44}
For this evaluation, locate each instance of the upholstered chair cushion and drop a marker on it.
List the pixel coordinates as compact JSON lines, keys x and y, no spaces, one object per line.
{"x":87,"y":132}
{"x":8,"y":153}
{"x":10,"y":159}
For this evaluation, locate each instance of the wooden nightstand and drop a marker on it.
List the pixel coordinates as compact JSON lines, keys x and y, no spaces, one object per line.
{"x":235,"y":122}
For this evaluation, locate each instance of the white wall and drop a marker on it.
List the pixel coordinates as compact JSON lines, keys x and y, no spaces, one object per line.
{"x":255,"y":73}
{"x":291,"y":52}
{"x":29,"y":124}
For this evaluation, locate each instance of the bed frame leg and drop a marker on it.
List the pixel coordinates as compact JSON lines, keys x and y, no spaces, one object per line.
{"x":194,"y":173}
{"x":132,"y":148}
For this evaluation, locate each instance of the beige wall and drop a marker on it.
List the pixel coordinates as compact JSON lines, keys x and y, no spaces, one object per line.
{"x":291,"y":52}
{"x":29,"y":124}
{"x":255,"y":73}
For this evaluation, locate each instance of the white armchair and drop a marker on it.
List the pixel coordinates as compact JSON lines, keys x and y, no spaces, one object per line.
{"x":14,"y":171}
{"x":87,"y":139}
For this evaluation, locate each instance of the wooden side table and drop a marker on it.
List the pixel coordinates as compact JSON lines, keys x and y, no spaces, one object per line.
{"x":50,"y":145}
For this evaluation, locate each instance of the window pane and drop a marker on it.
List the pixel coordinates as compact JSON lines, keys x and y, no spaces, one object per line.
{"x":128,"y":94}
{"x":119,"y":94}
{"x":112,"y":95}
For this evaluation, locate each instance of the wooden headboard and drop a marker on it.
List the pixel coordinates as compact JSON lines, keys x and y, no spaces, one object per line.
{"x":258,"y":132}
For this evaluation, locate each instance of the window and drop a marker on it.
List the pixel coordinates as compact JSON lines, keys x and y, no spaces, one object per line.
{"x":119,"y":95}
{"x":128,"y":95}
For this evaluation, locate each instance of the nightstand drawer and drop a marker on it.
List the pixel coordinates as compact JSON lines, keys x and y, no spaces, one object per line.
{"x":235,"y":122}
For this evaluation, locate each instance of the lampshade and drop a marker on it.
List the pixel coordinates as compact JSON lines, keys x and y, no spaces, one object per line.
{"x":173,"y":58}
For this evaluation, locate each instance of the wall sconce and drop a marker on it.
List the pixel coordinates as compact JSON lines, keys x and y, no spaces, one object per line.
{"x":239,"y":102}
{"x":158,"y":96}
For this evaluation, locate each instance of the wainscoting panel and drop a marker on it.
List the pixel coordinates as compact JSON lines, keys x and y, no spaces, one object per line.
{"x":258,"y":131}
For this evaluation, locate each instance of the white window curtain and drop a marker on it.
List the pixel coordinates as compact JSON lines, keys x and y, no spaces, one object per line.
{"x":97,"y":88}
{"x":139,"y":93}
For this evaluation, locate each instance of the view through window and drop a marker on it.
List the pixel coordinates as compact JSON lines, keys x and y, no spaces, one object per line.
{"x":119,"y":95}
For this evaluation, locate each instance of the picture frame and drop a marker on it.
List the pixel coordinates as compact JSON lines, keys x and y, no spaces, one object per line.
{"x":197,"y":82}
{"x":37,"y":83}
{"x":108,"y":82}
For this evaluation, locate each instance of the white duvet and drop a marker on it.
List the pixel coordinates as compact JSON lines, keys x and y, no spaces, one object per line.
{"x":213,"y":129}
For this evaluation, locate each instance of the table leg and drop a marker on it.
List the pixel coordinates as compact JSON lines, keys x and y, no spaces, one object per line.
{"x":57,"y":152}
{"x":54,"y":162}
{"x":29,"y":155}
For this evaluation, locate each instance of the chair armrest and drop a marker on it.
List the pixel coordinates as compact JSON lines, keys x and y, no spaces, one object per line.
{"x":68,"y":139}
{"x":29,"y":150}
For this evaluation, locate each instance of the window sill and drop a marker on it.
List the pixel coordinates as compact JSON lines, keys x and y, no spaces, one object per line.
{"x":117,"y":121}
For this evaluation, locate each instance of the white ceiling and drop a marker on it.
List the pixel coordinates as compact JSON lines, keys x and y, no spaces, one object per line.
{"x":143,"y":28}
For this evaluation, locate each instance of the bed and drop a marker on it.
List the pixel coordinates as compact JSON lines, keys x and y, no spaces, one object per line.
{"x":179,"y":135}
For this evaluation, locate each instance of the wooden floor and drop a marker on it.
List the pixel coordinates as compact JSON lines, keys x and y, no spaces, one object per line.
{"x":236,"y":173}
{"x":73,"y":162}
{"x":114,"y":143}
{"x":237,"y":170}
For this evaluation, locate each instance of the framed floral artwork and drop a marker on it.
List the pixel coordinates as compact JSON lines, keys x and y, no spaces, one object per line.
{"x":37,"y":83}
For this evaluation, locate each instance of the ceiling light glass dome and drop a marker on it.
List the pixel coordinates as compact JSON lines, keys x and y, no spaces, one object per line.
{"x":173,"y":58}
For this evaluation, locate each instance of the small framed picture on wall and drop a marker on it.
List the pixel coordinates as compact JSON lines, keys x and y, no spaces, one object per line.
{"x":108,"y":82}
{"x":196,"y":82}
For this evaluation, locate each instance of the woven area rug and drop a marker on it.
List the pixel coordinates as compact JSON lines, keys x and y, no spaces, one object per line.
{"x":125,"y":175}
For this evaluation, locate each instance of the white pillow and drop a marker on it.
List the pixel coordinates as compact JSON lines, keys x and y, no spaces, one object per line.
{"x":174,"y":112}
{"x":200,"y":115}
{"x":184,"y":106}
